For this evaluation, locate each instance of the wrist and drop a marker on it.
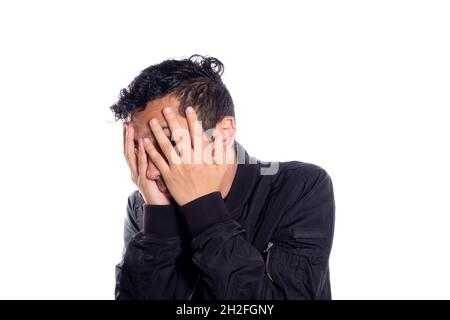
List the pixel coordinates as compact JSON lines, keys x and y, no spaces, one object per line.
{"x":152,"y":200}
{"x":196,"y":196}
{"x":161,"y":220}
{"x":204,"y":212}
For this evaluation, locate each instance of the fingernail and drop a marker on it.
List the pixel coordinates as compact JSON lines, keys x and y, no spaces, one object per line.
{"x":154,"y":122}
{"x":146,"y":140}
{"x":189,"y":110}
{"x":167,"y":110}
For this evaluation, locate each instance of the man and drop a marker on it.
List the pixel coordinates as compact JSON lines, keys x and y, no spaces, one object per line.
{"x":208,"y":221}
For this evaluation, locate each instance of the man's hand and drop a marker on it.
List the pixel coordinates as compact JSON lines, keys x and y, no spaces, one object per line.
{"x":197,"y":168}
{"x":137,"y":161}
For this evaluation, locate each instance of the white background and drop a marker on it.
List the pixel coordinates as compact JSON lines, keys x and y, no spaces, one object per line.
{"x":360,"y":88}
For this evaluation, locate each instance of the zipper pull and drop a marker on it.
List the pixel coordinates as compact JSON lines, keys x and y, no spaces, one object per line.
{"x":267,"y":251}
{"x":269,"y":245}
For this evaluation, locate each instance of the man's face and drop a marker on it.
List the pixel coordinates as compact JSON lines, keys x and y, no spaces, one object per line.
{"x":140,"y":122}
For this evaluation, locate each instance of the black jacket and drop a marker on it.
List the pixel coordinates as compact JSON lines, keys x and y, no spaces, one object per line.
{"x":270,"y":238}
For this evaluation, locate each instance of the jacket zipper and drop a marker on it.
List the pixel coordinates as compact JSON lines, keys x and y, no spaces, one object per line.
{"x":267,"y":250}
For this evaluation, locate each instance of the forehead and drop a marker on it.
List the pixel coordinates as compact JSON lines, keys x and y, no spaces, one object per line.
{"x":154,"y":109}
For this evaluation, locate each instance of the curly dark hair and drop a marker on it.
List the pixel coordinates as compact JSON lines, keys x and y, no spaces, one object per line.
{"x":195,"y":81}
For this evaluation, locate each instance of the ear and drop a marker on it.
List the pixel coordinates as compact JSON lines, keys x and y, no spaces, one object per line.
{"x":227,"y":128}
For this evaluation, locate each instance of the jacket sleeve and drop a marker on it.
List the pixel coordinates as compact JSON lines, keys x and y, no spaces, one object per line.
{"x":296,"y":264}
{"x":155,"y":265}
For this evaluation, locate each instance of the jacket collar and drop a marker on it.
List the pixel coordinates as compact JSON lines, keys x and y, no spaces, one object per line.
{"x":246,"y":175}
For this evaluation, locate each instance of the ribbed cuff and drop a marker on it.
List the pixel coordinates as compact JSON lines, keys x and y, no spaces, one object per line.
{"x":204,"y":212}
{"x":161,"y":220}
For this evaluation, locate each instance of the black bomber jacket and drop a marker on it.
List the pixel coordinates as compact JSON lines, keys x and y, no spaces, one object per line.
{"x":270,"y":238}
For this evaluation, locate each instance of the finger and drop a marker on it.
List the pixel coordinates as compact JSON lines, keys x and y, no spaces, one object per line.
{"x":195,"y":128}
{"x":130,"y":153}
{"x":156,"y":157}
{"x":172,"y":121}
{"x":183,"y":145}
{"x":180,"y":136}
{"x":196,"y":133}
{"x":164,"y":142}
{"x":142,"y":159}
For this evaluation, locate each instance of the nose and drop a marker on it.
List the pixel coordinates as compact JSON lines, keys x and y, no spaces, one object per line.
{"x":152,"y":171}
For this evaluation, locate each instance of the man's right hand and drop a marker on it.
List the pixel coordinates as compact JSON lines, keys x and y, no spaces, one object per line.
{"x":137,"y":162}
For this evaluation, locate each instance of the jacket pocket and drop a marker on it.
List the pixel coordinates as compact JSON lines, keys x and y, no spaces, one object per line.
{"x":284,"y":263}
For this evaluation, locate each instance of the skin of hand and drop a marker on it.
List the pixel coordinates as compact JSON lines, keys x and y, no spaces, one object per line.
{"x":137,"y":162}
{"x":197,"y":167}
